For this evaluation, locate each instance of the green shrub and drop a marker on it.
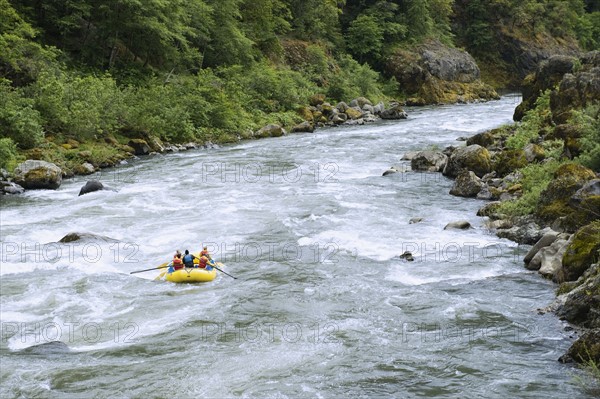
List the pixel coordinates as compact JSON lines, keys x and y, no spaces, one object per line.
{"x":353,"y":80}
{"x":8,"y":153}
{"x":589,"y":123}
{"x":533,"y":124}
{"x":535,"y":179}
{"x":18,"y":120}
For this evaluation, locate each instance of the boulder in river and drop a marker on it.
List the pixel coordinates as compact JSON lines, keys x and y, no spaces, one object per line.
{"x":474,"y":158}
{"x":585,"y":349}
{"x":581,"y":252}
{"x":271,"y":130}
{"x":304,"y":127}
{"x":429,"y":161}
{"x":546,"y":240}
{"x":91,"y":186}
{"x":33,"y":174}
{"x":460,"y":225}
{"x":550,"y":258}
{"x":393,"y":112}
{"x":75,"y":236}
{"x":8,"y":187}
{"x":467,"y":184}
{"x":408,"y":256}
{"x":47,"y":348}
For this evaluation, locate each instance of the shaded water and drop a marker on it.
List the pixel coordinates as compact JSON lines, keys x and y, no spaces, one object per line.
{"x":322,"y":307}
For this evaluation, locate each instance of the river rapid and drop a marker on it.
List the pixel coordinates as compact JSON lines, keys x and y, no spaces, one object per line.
{"x":322,"y":305}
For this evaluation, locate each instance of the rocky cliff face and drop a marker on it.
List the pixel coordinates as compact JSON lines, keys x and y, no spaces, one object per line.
{"x":523,"y":57}
{"x":575,"y":82}
{"x":438,"y":74}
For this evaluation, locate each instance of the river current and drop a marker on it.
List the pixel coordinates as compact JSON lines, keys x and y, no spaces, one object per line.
{"x":322,"y":305}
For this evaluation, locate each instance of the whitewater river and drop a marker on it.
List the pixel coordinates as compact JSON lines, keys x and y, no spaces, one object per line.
{"x":322,"y":306}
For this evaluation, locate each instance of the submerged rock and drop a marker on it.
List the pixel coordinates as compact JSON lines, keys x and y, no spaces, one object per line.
{"x":461,"y":225}
{"x":72,"y":237}
{"x":47,"y":348}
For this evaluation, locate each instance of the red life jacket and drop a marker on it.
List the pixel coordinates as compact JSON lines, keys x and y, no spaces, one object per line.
{"x":202,"y":263}
{"x":177,"y":263}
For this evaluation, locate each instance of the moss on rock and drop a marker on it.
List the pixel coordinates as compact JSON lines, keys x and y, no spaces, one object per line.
{"x":581,"y":252}
{"x":568,"y":178}
{"x":506,"y":162}
{"x":474,"y":158}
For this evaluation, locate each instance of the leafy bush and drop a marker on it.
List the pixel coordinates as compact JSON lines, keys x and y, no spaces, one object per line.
{"x":536,"y":178}
{"x":353,"y":80}
{"x":18,"y":120}
{"x":533,"y":124}
{"x":8,"y":153}
{"x":589,"y":123}
{"x":81,"y":106}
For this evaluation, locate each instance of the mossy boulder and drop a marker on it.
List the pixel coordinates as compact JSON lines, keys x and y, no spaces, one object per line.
{"x":360,"y":102}
{"x":316,"y":99}
{"x":489,"y":209}
{"x":568,"y":179}
{"x":305,"y":113}
{"x":467,"y":184}
{"x":508,"y":161}
{"x":34,"y":174}
{"x":581,"y":252}
{"x":271,"y":130}
{"x":586,"y":349}
{"x":484,"y":139}
{"x":474,"y":158}
{"x":140,"y":146}
{"x":326,"y":109}
{"x":534,"y":153}
{"x":354,"y":113}
{"x":548,"y":74}
{"x":581,"y":305}
{"x":429,"y":161}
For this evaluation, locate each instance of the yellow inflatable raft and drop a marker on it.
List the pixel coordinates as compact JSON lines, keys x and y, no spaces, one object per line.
{"x":191,"y":275}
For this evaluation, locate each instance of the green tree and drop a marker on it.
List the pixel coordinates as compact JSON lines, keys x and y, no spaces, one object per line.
{"x":478,"y":30}
{"x":19,"y":121}
{"x":229,"y":45}
{"x":317,"y":19}
{"x":263,"y":21}
{"x":365,"y":37}
{"x":21,"y":59}
{"x":420,"y":23}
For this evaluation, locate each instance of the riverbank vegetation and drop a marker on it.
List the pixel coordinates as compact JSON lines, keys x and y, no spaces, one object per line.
{"x":76,"y":76}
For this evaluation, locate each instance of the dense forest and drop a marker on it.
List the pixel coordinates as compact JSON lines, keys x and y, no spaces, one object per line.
{"x":76,"y":75}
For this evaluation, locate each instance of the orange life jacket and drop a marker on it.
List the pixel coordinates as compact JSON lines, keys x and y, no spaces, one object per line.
{"x":177,"y":263}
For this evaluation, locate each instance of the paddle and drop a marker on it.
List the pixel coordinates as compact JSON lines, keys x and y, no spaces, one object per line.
{"x":160,"y":275}
{"x":215,"y":266}
{"x":154,"y":268}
